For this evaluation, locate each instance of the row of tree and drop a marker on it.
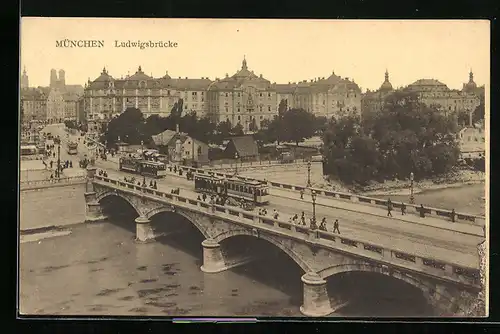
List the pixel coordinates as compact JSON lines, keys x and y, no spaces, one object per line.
{"x":405,"y":137}
{"x":291,"y":125}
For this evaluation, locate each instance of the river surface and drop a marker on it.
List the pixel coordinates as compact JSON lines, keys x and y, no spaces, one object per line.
{"x":99,"y":269}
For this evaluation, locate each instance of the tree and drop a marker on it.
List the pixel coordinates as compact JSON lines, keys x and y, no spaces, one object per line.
{"x":237,"y":130}
{"x":176,"y":111}
{"x":478,"y":113}
{"x":282,"y":108}
{"x":129,"y":126}
{"x":320,"y":124}
{"x":253,"y":125}
{"x":406,"y":136}
{"x":297,"y":125}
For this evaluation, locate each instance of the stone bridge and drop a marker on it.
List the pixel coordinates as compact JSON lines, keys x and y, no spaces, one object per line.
{"x":447,"y":287}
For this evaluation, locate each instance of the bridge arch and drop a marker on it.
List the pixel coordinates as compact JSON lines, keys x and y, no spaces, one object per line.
{"x":187,"y":215}
{"x":432,"y":296}
{"x":117,"y":194}
{"x":293,"y":255}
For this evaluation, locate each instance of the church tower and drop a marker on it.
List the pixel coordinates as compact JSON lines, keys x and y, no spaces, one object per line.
{"x":24,"y":79}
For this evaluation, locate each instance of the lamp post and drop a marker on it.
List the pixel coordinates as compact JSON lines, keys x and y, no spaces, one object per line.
{"x":313,"y":221}
{"x":308,"y":173}
{"x":412,"y":199}
{"x":236,"y":156}
{"x":58,"y":172}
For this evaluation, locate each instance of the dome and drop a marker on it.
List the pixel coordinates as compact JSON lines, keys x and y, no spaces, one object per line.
{"x":386,"y":85}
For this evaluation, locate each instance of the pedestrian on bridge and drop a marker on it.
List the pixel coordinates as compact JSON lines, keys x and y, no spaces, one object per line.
{"x":336,"y":226}
{"x":301,"y":194}
{"x":389,"y":208}
{"x":422,"y":211}
{"x":403,"y":209}
{"x":453,"y":215}
{"x":303,"y":218}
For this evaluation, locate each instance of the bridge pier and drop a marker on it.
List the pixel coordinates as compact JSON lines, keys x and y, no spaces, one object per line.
{"x":143,"y":230}
{"x":316,"y":300}
{"x":93,"y":210}
{"x":213,"y":260}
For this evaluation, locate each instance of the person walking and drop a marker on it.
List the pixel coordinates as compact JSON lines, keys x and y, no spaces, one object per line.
{"x":403,"y":209}
{"x":336,"y":226}
{"x":422,"y":211}
{"x":303,"y":218}
{"x":389,"y":208}
{"x":301,"y":194}
{"x":453,"y":215}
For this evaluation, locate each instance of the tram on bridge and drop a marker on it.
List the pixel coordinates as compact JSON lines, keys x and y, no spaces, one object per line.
{"x":243,"y":191}
{"x":143,"y":167}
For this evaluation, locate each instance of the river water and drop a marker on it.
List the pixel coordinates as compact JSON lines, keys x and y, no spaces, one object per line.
{"x":99,"y":269}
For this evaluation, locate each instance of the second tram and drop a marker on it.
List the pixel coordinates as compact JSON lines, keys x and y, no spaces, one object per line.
{"x":254,"y":192}
{"x":143,"y":167}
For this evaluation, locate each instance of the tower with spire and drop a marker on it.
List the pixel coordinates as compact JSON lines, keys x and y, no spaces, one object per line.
{"x":244,"y":64}
{"x":386,"y":85}
{"x":24,"y":79}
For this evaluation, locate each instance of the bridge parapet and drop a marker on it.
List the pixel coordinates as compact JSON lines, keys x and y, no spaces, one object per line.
{"x":317,"y":239}
{"x":28,"y":185}
{"x":461,"y":217}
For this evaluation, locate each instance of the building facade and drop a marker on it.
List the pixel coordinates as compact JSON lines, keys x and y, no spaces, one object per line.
{"x":34,"y":104}
{"x":431,"y":92}
{"x":54,"y":103}
{"x":244,"y":98}
{"x":106,"y":96}
{"x":373,"y":101}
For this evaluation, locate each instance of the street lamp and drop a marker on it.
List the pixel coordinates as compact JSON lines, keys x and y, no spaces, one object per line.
{"x":308,"y":173}
{"x":412,"y":199}
{"x":313,"y":221}
{"x":58,"y":172}
{"x":236,"y":156}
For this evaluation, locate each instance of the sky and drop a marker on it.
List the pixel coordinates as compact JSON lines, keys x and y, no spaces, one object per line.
{"x":281,"y":50}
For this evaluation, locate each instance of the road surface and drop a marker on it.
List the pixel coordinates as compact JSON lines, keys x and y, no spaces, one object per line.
{"x":358,"y":221}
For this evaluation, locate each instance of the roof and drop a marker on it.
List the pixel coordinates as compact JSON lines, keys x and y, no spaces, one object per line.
{"x":427,"y":82}
{"x":168,"y":138}
{"x":75,"y":89}
{"x":32,"y":93}
{"x":237,"y":79}
{"x":134,"y":81}
{"x":163,"y":138}
{"x":245,"y":146}
{"x":139,"y":75}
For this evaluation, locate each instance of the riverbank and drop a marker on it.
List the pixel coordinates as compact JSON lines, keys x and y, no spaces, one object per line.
{"x":457,"y":178}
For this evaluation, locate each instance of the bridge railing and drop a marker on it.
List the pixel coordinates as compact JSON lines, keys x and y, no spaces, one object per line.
{"x":460,"y":217}
{"x":51,"y":182}
{"x":398,"y":257}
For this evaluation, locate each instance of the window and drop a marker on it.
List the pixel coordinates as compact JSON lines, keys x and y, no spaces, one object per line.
{"x":260,"y":94}
{"x":269,"y":94}
{"x":194,"y":93}
{"x":227,"y":95}
{"x":261,"y":117}
{"x":268,"y":108}
{"x":238,"y":109}
{"x":238,"y":94}
{"x":239,"y":118}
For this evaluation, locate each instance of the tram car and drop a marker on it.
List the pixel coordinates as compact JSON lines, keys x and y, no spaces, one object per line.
{"x":244,"y":191}
{"x":143,"y":167}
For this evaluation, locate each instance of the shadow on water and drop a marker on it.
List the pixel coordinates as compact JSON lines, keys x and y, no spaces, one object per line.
{"x":376,"y":295}
{"x":178,"y":232}
{"x":119,"y":212}
{"x":272,"y":267}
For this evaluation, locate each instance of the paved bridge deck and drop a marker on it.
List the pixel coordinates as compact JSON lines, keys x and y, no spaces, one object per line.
{"x":421,"y":240}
